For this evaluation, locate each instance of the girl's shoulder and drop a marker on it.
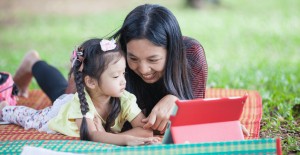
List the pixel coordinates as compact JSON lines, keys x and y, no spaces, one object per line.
{"x":129,"y":107}
{"x":73,"y":108}
{"x":127,"y":98}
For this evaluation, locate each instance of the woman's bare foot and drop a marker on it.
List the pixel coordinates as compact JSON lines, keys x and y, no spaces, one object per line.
{"x":23,"y":75}
{"x":2,"y":105}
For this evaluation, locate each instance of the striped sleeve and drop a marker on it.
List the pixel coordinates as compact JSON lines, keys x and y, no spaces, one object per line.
{"x":197,"y":61}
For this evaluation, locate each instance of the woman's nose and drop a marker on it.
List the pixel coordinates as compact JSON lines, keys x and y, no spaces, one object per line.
{"x":143,"y":68}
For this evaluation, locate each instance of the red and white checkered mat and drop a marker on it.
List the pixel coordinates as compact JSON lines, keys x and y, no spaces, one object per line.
{"x":251,"y":115}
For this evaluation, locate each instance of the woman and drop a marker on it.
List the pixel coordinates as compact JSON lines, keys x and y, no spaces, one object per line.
{"x":162,"y":65}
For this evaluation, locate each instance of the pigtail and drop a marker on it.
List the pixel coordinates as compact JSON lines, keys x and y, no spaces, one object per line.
{"x":114,"y":113}
{"x":78,"y":78}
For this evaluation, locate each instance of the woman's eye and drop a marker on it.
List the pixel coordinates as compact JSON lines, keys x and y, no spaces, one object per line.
{"x":152,"y":60}
{"x":116,"y":77}
{"x":133,"y":59}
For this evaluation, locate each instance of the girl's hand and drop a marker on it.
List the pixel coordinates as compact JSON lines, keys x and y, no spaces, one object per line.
{"x":98,"y":123}
{"x":133,"y":141}
{"x":160,"y":114}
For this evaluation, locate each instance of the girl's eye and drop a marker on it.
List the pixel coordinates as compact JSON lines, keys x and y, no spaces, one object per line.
{"x":116,"y":77}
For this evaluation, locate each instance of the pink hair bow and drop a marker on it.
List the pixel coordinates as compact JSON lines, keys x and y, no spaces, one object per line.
{"x":107,"y":45}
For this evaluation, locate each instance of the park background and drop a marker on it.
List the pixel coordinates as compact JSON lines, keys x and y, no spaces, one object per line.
{"x":251,"y":45}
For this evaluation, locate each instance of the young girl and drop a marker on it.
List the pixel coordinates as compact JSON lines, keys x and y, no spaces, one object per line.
{"x":100,"y":107}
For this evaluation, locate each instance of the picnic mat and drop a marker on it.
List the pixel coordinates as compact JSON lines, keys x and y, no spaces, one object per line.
{"x":261,"y":146}
{"x":37,"y":100}
{"x":251,"y":115}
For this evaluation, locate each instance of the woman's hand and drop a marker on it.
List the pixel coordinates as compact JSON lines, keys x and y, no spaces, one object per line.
{"x":98,"y":123}
{"x":133,"y":141}
{"x":245,"y":131}
{"x":160,"y":114}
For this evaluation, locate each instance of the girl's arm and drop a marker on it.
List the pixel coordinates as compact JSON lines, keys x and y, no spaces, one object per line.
{"x":138,"y":129}
{"x":136,"y":123}
{"x":117,"y":139}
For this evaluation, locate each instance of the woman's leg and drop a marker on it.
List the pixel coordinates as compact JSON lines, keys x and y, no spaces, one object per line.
{"x":51,"y":81}
{"x":23,"y":75}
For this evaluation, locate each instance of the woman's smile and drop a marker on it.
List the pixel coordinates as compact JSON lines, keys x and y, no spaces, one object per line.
{"x":149,"y":76}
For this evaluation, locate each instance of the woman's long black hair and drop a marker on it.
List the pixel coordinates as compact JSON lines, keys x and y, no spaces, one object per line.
{"x":94,"y":64}
{"x":157,"y":24}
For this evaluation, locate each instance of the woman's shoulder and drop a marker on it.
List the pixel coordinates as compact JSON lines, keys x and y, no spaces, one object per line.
{"x":193,"y":48}
{"x":188,"y":41}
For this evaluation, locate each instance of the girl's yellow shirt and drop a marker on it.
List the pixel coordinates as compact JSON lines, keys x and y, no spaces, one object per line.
{"x":65,"y":123}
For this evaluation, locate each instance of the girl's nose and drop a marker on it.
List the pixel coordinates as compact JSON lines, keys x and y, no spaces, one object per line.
{"x":123,"y":82}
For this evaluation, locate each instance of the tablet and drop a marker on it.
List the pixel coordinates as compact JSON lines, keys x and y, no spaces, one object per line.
{"x":205,"y":120}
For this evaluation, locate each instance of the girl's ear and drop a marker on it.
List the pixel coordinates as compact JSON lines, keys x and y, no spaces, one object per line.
{"x":90,"y":82}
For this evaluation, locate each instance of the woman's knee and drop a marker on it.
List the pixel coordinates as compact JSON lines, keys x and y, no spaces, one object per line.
{"x":32,"y":57}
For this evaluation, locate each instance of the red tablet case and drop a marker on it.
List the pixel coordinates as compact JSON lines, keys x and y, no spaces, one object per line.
{"x":208,"y":120}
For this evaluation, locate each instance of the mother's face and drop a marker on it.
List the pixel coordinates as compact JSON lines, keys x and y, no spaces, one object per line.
{"x":146,"y":59}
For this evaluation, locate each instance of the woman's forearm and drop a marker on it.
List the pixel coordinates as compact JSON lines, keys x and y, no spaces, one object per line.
{"x":138,"y":132}
{"x":110,"y":138}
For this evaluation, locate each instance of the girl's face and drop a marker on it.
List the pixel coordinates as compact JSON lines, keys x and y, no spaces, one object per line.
{"x":146,"y":59}
{"x":113,"y":81}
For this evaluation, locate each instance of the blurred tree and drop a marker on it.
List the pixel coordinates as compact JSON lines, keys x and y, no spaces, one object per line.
{"x":197,"y":4}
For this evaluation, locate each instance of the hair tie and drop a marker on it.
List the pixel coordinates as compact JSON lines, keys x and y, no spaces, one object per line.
{"x":83,"y":115}
{"x":75,"y":55}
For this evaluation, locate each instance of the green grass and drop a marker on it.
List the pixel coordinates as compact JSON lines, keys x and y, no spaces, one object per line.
{"x":249,"y":45}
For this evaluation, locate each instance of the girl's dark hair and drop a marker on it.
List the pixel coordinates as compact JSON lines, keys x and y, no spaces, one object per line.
{"x":157,"y":24}
{"x":94,"y":64}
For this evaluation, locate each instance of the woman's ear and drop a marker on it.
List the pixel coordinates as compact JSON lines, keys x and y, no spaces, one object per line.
{"x":90,"y":82}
